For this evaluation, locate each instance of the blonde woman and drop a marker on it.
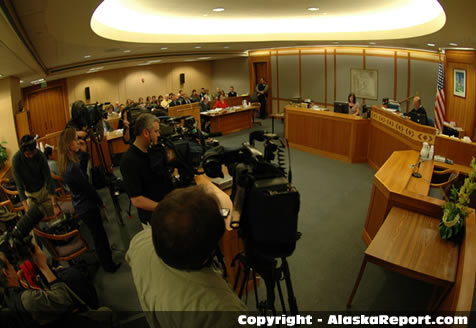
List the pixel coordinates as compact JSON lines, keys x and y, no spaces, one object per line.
{"x":72,"y":162}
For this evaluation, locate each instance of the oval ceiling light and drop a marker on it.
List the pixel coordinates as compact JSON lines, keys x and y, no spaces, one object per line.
{"x":218,"y":9}
{"x":163,"y":21}
{"x":430,"y":44}
{"x":87,"y":56}
{"x":453,"y":44}
{"x":313,"y":9}
{"x":127,"y":51}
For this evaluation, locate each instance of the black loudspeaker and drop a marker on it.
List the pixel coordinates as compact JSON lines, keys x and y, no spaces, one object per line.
{"x":87,"y":93}
{"x":182,"y":78}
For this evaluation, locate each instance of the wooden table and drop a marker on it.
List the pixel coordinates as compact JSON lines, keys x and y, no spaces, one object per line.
{"x":115,"y":142}
{"x":231,"y":121}
{"x":410,"y":244}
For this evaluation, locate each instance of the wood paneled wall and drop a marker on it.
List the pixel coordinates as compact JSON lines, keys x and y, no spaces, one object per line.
{"x":323,"y":74}
{"x":458,"y":109}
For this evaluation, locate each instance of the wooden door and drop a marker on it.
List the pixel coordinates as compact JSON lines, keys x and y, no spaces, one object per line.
{"x":261,"y":71}
{"x":47,"y":112}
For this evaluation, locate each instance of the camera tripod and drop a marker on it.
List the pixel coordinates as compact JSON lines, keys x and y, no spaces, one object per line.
{"x":272,"y":274}
{"x":102,"y":165}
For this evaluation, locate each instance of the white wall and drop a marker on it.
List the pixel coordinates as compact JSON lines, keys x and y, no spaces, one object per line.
{"x":230,"y":72}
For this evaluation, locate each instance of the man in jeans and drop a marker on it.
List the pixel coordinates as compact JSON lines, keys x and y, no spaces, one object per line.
{"x":33,"y":177}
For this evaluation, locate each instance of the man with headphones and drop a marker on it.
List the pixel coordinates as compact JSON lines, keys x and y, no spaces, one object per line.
{"x":33,"y":177}
{"x":143,"y":167}
{"x":172,"y":262}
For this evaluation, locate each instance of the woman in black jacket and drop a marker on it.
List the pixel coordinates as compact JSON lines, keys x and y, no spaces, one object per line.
{"x":73,"y":162}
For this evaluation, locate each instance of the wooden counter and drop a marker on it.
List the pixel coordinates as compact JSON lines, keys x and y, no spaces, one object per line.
{"x":394,"y":186}
{"x":390,"y":132}
{"x":334,"y":135}
{"x":228,"y":122}
{"x":192,"y":109}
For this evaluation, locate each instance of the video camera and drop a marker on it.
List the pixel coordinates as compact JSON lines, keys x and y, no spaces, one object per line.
{"x":184,"y":146}
{"x":262,"y":193}
{"x":89,"y":116}
{"x":16,"y":243}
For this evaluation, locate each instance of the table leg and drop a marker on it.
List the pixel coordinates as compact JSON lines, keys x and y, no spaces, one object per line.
{"x":357,"y":281}
{"x":272,"y":124}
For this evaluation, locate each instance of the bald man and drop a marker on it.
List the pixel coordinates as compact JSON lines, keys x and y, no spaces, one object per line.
{"x":418,"y":113}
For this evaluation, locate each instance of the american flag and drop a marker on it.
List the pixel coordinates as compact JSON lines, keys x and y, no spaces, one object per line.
{"x":440,"y":99}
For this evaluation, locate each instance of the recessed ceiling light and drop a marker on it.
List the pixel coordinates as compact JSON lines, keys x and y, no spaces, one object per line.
{"x":219,"y":9}
{"x":21,"y":81}
{"x":453,"y":44}
{"x":335,"y":42}
{"x":164,"y":48}
{"x":127,"y":50}
{"x":143,"y":64}
{"x":324,"y":13}
{"x":87,"y":56}
{"x":1,"y":75}
{"x":205,"y":15}
{"x":197,"y":47}
{"x":430,"y":44}
{"x":226,"y":47}
{"x":154,"y":61}
{"x":189,"y":60}
{"x":37,"y":81}
{"x":313,"y":9}
{"x":203,"y":58}
{"x":372,"y":42}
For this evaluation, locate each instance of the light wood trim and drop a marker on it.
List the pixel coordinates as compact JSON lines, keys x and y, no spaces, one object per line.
{"x":395,"y":72}
{"x":411,"y":130}
{"x":335,"y":76}
{"x":409,"y":74}
{"x":325,"y":76}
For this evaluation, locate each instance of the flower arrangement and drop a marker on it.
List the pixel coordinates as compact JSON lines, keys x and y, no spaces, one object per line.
{"x":455,"y":208}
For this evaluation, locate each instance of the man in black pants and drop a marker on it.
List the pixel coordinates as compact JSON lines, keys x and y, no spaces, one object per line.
{"x":262,"y":92}
{"x":143,"y":167}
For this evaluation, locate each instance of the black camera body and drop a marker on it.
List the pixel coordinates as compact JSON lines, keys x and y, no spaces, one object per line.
{"x":262,"y":193}
{"x":16,"y":243}
{"x":184,"y":146}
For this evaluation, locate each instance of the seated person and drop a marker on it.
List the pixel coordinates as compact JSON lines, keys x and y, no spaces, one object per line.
{"x":221,"y":102}
{"x":35,"y":307}
{"x":205,"y":104}
{"x":172,"y":262}
{"x":418,"y":113}
{"x":232,"y":92}
{"x":53,"y":165}
{"x":354,"y":106}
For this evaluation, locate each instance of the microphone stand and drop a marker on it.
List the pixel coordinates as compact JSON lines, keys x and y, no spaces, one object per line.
{"x":416,"y":168}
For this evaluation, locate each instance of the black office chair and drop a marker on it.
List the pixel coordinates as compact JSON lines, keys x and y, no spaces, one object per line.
{"x":430,"y":122}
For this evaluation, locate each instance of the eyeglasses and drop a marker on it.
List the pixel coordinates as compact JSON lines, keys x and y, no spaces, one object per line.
{"x":224,"y":212}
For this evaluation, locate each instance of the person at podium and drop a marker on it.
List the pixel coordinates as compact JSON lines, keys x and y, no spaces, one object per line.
{"x":418,"y":113}
{"x":354,"y":106}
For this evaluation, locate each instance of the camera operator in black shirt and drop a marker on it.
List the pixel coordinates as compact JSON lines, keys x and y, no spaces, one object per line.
{"x":143,"y":167}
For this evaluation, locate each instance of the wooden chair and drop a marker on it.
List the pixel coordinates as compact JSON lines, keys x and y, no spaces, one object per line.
{"x":74,"y":246}
{"x":441,"y":183}
{"x":7,"y":202}
{"x":256,"y":111}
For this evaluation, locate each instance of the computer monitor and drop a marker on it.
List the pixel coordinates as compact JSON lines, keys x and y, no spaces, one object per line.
{"x":341,"y":107}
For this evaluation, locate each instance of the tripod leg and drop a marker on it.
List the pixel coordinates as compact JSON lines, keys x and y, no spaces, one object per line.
{"x":287,"y":278}
{"x":280,"y":291}
{"x":244,"y":282}
{"x":255,"y":285}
